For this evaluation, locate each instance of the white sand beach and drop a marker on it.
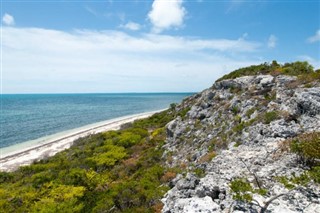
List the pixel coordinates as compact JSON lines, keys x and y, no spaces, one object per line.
{"x":26,"y":153}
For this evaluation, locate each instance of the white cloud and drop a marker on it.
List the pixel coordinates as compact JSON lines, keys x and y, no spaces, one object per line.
{"x":234,"y":5}
{"x":8,"y":19}
{"x":42,"y":60}
{"x":314,"y":38}
{"x":92,"y":11}
{"x":166,"y":14}
{"x":272,"y":41}
{"x":131,"y":26}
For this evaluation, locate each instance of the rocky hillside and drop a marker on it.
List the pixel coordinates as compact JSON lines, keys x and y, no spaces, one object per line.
{"x":247,"y":144}
{"x":250,"y":143}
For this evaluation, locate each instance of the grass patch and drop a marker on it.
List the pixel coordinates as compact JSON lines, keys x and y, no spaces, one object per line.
{"x":268,"y":117}
{"x":250,"y":112}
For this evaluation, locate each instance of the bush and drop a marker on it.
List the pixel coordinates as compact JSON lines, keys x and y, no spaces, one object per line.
{"x":315,"y":174}
{"x":128,"y":139}
{"x":297,"y":68}
{"x":307,"y":147}
{"x":118,"y":170}
{"x":264,"y":68}
{"x":183,"y":112}
{"x":108,"y":158}
{"x":270,"y":116}
{"x":242,"y":190}
{"x":250,"y":112}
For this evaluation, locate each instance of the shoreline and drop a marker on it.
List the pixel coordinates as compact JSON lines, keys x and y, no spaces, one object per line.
{"x":12,"y":160}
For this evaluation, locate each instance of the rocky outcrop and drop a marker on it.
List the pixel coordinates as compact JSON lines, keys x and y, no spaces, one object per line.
{"x":235,"y":130}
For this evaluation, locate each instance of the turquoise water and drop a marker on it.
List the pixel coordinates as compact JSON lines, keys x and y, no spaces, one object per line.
{"x":28,"y":117}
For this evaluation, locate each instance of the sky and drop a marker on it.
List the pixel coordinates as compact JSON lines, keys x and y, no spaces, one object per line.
{"x":107,"y":46}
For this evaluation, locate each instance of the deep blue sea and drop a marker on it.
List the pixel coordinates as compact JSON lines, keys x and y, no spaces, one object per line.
{"x":29,"y":117}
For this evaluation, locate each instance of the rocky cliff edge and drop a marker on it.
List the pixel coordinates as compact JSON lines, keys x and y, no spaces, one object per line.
{"x":233,"y":140}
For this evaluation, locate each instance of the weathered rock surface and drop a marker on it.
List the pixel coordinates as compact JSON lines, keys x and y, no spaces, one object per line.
{"x":244,"y":121}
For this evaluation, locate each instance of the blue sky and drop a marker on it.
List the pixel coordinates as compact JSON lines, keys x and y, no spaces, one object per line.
{"x":148,"y":46}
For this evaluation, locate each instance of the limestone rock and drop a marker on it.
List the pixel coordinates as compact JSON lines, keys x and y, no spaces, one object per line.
{"x":229,"y":118}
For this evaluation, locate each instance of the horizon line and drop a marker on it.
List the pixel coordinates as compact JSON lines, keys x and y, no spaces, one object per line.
{"x":83,"y":93}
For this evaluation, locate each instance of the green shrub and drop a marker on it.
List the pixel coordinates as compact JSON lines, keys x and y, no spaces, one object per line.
{"x":285,"y":181}
{"x":139,"y":131}
{"x":127,"y":139}
{"x":302,"y":180}
{"x":307,"y":147}
{"x":5,"y":177}
{"x":315,"y":174}
{"x":199,"y":172}
{"x":121,"y":169}
{"x":183,"y":112}
{"x":262,"y":192}
{"x":235,"y":110}
{"x":242,"y":189}
{"x":109,"y":157}
{"x":270,"y":116}
{"x":295,"y":68}
{"x":173,"y":106}
{"x":250,"y":112}
{"x":264,"y":68}
{"x":238,"y":128}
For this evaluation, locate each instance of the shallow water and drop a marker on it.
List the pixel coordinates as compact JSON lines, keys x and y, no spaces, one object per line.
{"x":30,"y":117}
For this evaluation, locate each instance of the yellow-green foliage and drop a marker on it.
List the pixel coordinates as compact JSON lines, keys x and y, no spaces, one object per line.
{"x":301,"y":180}
{"x":108,"y":155}
{"x":156,"y":121}
{"x":285,"y":181}
{"x":307,"y":147}
{"x":298,"y":68}
{"x":128,"y":139}
{"x":119,"y":170}
{"x":250,"y":112}
{"x":184,"y":112}
{"x":242,"y":189}
{"x":268,"y":117}
{"x":315,"y":174}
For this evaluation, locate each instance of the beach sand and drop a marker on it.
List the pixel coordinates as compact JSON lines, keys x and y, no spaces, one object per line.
{"x":13,"y":159}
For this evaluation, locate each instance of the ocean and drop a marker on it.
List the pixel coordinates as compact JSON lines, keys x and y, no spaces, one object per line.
{"x":32,"y":116}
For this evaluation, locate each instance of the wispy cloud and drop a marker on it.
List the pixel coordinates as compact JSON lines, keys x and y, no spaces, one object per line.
{"x":91,"y":11}
{"x":38,"y":60}
{"x":272,"y":41}
{"x":118,"y":15}
{"x":314,"y":38}
{"x":131,"y":26}
{"x":165,"y":15}
{"x":8,"y":19}
{"x":234,"y":5}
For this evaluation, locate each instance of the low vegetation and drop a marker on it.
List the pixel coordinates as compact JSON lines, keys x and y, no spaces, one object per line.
{"x":118,"y":171}
{"x":307,"y":148}
{"x":303,"y":70}
{"x":123,"y":171}
{"x":242,"y":190}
